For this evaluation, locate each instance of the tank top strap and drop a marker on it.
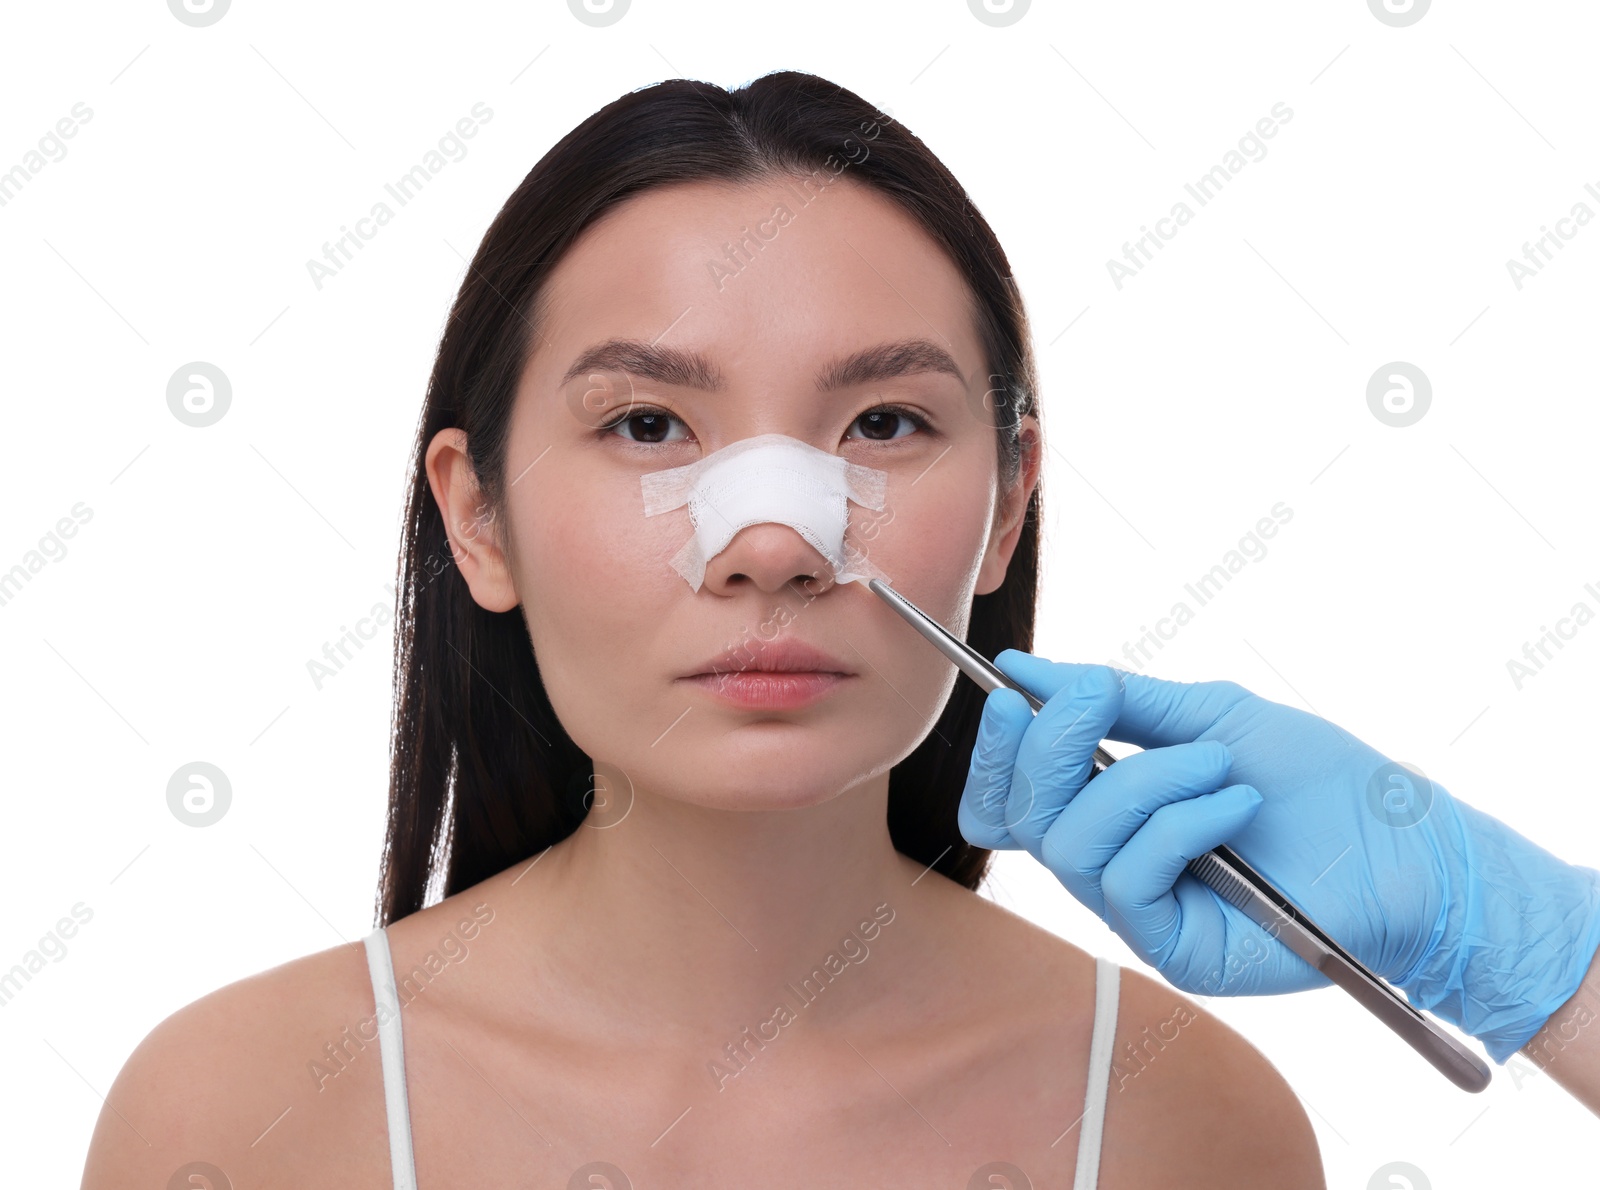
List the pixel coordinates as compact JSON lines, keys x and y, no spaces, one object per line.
{"x":391,"y":1051}
{"x":1107,"y":986}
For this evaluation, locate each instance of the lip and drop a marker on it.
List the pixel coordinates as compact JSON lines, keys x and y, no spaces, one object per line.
{"x":756,"y":690}
{"x":780,"y":675}
{"x":786,"y":657}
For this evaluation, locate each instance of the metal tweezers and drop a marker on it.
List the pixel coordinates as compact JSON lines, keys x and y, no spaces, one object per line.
{"x":1225,"y":873}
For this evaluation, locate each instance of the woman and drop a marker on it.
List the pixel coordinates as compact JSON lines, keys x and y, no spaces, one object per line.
{"x":688,"y":936}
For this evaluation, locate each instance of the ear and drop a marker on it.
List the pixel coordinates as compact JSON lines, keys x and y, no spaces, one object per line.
{"x":474,"y":539}
{"x":1009,"y":514}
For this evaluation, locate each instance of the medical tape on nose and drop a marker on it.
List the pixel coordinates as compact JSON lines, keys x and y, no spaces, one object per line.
{"x":767,"y":478}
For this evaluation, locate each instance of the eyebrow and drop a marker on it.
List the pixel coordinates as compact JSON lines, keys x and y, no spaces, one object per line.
{"x":691,"y":369}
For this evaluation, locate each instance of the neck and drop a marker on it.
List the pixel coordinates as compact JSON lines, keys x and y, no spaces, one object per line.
{"x":678,"y":919}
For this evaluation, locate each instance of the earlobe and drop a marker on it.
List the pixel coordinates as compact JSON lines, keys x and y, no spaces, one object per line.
{"x":472,"y":536}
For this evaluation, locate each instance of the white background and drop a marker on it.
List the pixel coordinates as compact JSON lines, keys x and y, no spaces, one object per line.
{"x":1228,"y":375}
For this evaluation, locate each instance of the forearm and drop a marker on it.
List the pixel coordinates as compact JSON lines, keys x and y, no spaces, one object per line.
{"x":1567,"y":1048}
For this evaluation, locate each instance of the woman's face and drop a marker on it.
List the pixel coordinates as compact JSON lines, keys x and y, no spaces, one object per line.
{"x":723,"y":346}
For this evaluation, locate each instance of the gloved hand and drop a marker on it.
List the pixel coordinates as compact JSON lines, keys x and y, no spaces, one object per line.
{"x":1474,"y":922}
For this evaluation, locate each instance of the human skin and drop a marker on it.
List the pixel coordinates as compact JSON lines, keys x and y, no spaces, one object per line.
{"x":615,"y":628}
{"x":1567,"y":1046}
{"x":730,"y":851}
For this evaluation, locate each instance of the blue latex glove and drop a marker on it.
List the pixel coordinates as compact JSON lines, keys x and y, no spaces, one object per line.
{"x":1474,"y":922}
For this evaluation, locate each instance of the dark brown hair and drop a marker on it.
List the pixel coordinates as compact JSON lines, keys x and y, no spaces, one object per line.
{"x":482,"y":774}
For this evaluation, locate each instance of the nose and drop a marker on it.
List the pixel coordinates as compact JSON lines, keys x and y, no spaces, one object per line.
{"x":770,"y":556}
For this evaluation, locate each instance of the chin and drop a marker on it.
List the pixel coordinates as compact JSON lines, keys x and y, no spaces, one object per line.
{"x":768,"y":783}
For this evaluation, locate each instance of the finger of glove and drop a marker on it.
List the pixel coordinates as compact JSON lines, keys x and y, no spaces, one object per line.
{"x":1156,"y":712}
{"x":1137,"y":882}
{"x":1055,"y":757}
{"x":982,"y":812}
{"x":1236,"y":956}
{"x":1042,"y":677}
{"x":1252,"y":959}
{"x":1097,"y":824}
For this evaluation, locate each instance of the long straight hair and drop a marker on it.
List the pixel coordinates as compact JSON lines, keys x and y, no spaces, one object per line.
{"x":482,"y":774}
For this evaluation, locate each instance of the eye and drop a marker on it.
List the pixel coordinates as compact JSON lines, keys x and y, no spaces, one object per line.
{"x":882,"y":422}
{"x":646,"y":420}
{"x":648,"y":425}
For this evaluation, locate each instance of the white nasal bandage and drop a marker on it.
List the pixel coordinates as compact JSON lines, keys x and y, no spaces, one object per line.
{"x":768,"y":477}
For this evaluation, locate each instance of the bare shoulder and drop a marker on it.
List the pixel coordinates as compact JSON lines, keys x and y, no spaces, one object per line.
{"x":262,"y":1079}
{"x":1190,"y":1099}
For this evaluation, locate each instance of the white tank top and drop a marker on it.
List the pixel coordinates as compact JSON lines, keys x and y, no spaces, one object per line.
{"x":1107,"y":980}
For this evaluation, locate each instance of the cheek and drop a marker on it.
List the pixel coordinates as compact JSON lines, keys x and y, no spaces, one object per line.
{"x":929,"y":538}
{"x":598,"y":545}
{"x":596,"y":581}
